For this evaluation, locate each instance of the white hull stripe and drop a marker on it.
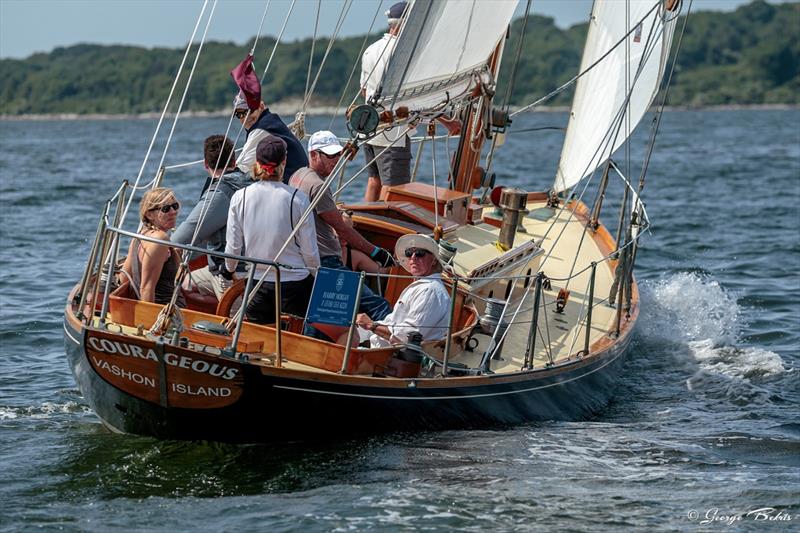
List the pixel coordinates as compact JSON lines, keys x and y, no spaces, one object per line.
{"x":67,"y":331}
{"x":459,"y":397}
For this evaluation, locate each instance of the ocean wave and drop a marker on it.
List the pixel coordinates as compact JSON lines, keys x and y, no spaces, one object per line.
{"x":747,"y":363}
{"x":43,"y":410}
{"x":693,"y":309}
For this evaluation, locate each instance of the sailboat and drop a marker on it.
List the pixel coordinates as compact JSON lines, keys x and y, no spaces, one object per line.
{"x":543,"y":297}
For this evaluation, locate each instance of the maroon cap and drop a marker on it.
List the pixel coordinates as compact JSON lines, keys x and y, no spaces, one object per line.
{"x":271,"y":150}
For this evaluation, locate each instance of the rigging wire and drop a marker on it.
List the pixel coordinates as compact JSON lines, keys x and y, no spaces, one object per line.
{"x":517,"y":56}
{"x":164,"y":111}
{"x":313,"y":45}
{"x":188,"y":84}
{"x":581,"y":74}
{"x":277,"y":41}
{"x":260,"y":26}
{"x":432,"y":130}
{"x":355,"y":65}
{"x":342,"y":16}
{"x":651,"y":143}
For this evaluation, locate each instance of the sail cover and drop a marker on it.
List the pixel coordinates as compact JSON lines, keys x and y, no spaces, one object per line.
{"x":603,"y":115}
{"x":441,"y":45}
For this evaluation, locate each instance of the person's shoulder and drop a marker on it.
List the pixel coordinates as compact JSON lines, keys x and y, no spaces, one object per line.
{"x":236,"y":179}
{"x":304,"y":178}
{"x":376,"y":46}
{"x":156,"y":234}
{"x":300,"y":196}
{"x":237,"y":196}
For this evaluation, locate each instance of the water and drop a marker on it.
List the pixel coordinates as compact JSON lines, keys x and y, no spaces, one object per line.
{"x":705,"y":418}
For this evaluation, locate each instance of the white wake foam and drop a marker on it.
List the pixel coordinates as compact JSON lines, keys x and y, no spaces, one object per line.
{"x":44,"y":410}
{"x":693,"y":309}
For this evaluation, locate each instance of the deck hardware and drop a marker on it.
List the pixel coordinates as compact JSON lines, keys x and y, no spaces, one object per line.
{"x":112,"y":255}
{"x":448,"y":340}
{"x":349,"y":346}
{"x":245,"y":296}
{"x":512,"y":202}
{"x":363,"y":120}
{"x":553,"y":200}
{"x":87,"y":272}
{"x":589,"y":311}
{"x":471,"y":343}
{"x":278,"y":347}
{"x":594,"y":221}
{"x":620,"y":283}
{"x":561,"y":300}
{"x":210,"y":326}
{"x":228,"y":351}
{"x":537,"y":296}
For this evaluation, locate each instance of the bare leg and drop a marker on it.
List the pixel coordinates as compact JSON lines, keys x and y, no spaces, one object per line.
{"x":342,"y":340}
{"x":373,"y":192}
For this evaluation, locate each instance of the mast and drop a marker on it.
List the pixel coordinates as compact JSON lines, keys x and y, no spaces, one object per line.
{"x":468,"y":154}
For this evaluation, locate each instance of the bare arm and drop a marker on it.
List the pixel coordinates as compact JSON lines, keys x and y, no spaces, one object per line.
{"x":127,"y":266}
{"x":380,"y":330}
{"x":362,"y":262}
{"x":343,"y":230}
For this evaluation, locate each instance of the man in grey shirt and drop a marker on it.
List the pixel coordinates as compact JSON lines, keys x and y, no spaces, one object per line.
{"x":324,"y":151}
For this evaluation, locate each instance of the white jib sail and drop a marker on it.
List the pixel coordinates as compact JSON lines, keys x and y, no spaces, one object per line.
{"x":442,"y":44}
{"x":612,"y":97}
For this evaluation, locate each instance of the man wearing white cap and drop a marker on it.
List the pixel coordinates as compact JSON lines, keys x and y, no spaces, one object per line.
{"x":423,"y":306}
{"x":324,"y":151}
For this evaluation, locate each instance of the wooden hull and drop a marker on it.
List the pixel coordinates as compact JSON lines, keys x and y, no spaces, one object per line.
{"x":279,"y":404}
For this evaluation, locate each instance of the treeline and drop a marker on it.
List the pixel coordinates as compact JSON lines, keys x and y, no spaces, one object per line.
{"x":748,"y":56}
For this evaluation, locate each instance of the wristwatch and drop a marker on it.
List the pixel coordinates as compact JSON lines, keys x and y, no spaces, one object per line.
{"x":373,"y":326}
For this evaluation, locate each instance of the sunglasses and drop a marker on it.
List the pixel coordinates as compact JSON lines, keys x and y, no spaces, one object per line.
{"x":166,"y":208}
{"x":419,"y":253}
{"x":328,"y":156}
{"x":240,"y":113}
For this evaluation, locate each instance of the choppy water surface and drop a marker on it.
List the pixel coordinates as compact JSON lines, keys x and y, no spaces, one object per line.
{"x":705,"y":424}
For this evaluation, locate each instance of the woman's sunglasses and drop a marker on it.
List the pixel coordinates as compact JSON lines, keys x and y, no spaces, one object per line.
{"x":240,"y":113}
{"x":419,"y":253}
{"x":166,"y":208}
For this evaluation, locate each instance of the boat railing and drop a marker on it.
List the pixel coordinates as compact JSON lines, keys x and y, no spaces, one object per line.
{"x":104,"y":258}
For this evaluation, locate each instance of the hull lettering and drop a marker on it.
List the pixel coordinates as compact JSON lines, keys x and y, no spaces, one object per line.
{"x":217,"y":392}
{"x":124,"y":374}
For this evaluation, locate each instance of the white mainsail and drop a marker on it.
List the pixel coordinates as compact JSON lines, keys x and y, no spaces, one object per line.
{"x":442,"y":44}
{"x":614,"y":95}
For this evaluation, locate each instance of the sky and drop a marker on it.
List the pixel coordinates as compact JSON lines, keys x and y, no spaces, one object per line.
{"x":29,"y":26}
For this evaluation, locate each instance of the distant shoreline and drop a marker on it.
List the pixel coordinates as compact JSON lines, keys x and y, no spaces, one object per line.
{"x":288,"y":111}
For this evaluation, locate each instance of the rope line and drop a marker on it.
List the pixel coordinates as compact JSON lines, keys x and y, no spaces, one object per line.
{"x":581,"y":74}
{"x":166,"y":106}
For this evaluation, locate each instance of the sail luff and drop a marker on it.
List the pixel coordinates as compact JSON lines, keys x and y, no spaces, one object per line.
{"x":602,"y":102}
{"x":443,"y":46}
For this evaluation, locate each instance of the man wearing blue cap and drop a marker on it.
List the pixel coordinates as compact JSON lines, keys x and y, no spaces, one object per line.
{"x":394,"y":166}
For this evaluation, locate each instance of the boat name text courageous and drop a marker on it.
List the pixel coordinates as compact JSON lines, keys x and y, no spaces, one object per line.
{"x":182,"y":361}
